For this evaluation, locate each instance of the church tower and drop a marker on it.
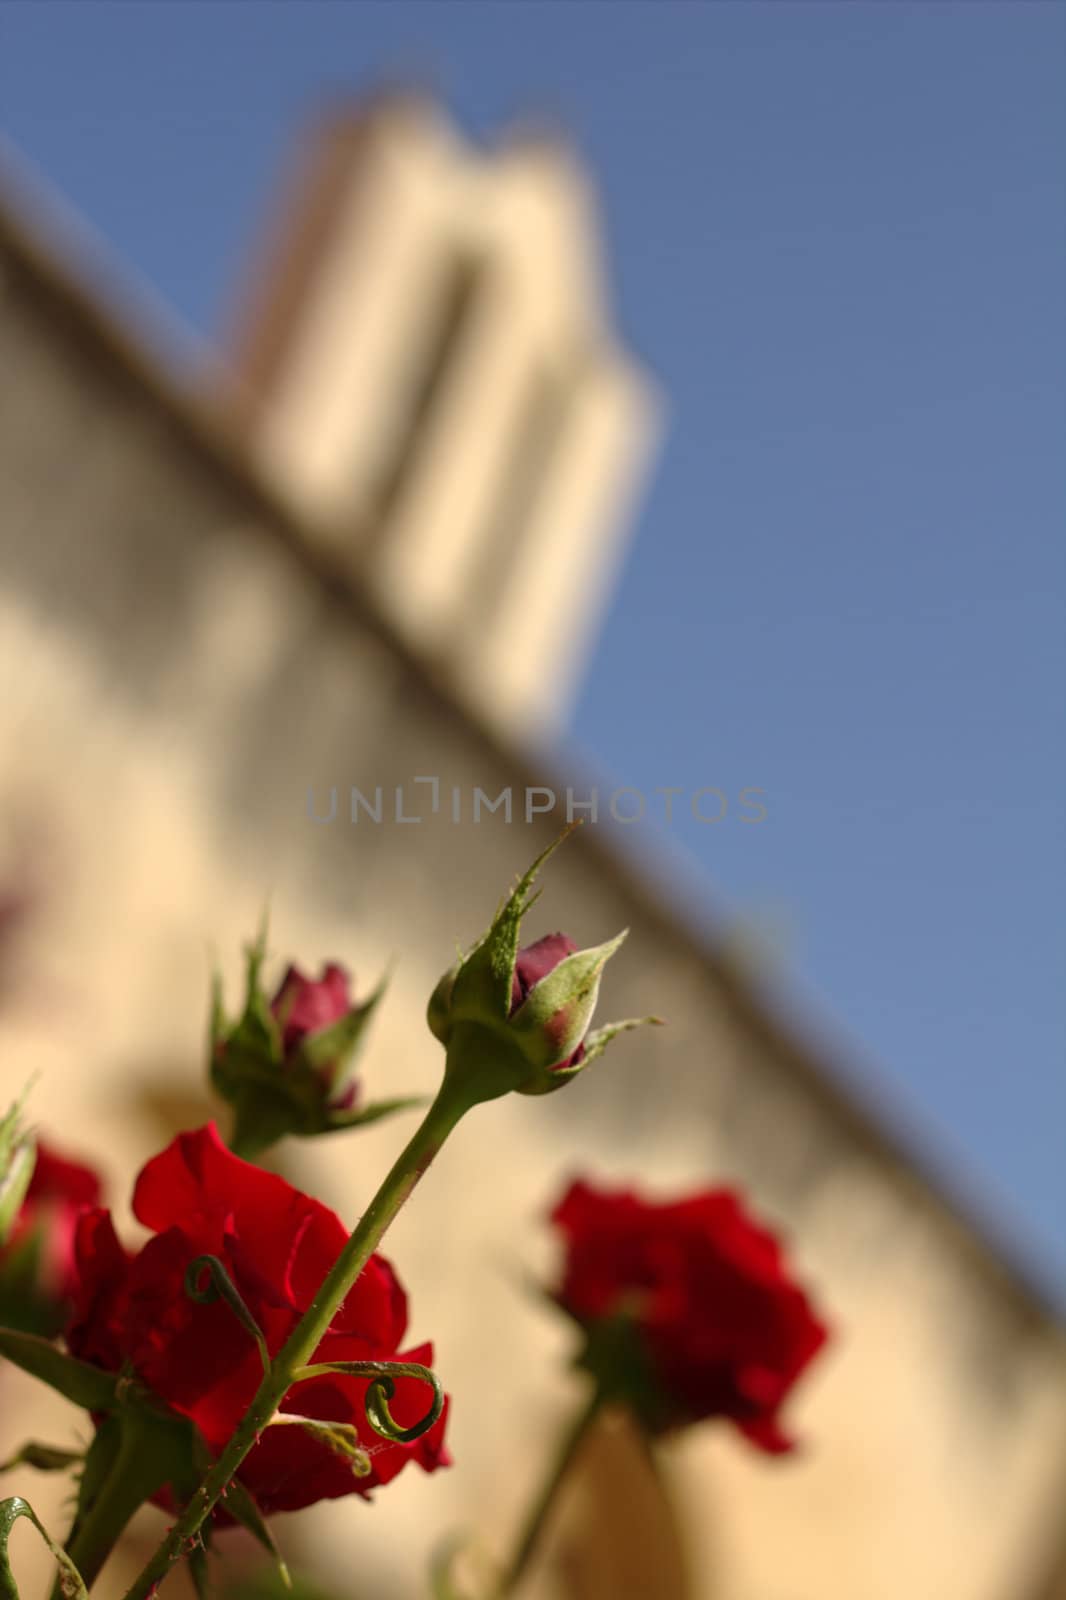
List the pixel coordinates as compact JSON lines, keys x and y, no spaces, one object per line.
{"x":427,"y":368}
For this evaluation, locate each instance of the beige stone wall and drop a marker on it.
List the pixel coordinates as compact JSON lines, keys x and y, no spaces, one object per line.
{"x":176,"y":672}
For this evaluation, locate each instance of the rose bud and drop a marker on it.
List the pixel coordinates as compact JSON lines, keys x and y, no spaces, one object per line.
{"x":688,"y":1308}
{"x":520,"y":1019}
{"x":320,"y":1025}
{"x":287,"y":1064}
{"x":37,"y":1255}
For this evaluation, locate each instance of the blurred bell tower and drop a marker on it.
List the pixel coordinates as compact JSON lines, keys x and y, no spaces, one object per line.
{"x":426,"y":367}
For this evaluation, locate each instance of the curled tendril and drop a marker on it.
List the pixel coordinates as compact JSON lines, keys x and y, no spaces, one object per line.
{"x":380,"y":1391}
{"x":380,"y":1418}
{"x":220,"y":1286}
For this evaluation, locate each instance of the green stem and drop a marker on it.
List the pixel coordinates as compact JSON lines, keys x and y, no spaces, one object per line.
{"x":544,"y":1504}
{"x":447,"y":1109}
{"x":127,"y":1484}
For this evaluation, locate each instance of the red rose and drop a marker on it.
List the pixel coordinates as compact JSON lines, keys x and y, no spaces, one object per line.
{"x":37,"y":1263}
{"x":277,"y":1244}
{"x":717,"y":1326}
{"x":534,"y":963}
{"x":304,"y":1007}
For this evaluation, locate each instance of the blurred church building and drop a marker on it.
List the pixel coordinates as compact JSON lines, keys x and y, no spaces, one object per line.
{"x":367,"y":547}
{"x":483,"y":490}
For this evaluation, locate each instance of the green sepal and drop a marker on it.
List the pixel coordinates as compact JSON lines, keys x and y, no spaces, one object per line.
{"x":273,"y":1107}
{"x":118,"y":1398}
{"x":99,"y":1459}
{"x":70,"y":1580}
{"x":87,"y":1386}
{"x":139,"y":1446}
{"x":11,"y":1133}
{"x":42,"y":1457}
{"x":554,"y":1017}
{"x":342,"y":1438}
{"x":374,"y":1112}
{"x":546,"y":1081}
{"x":481,"y":989}
{"x":18,"y":1157}
{"x":549,"y":1080}
{"x":242,"y":1508}
{"x":439,"y":1009}
{"x":137,"y":1449}
{"x":252,"y":1046}
{"x":616,"y":1356}
{"x":597,"y":1041}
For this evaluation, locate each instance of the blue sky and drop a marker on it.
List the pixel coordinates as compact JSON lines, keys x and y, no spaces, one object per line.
{"x":838,"y":235}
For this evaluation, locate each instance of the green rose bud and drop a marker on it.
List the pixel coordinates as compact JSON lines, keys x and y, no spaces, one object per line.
{"x":519,"y":1019}
{"x":287,"y":1064}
